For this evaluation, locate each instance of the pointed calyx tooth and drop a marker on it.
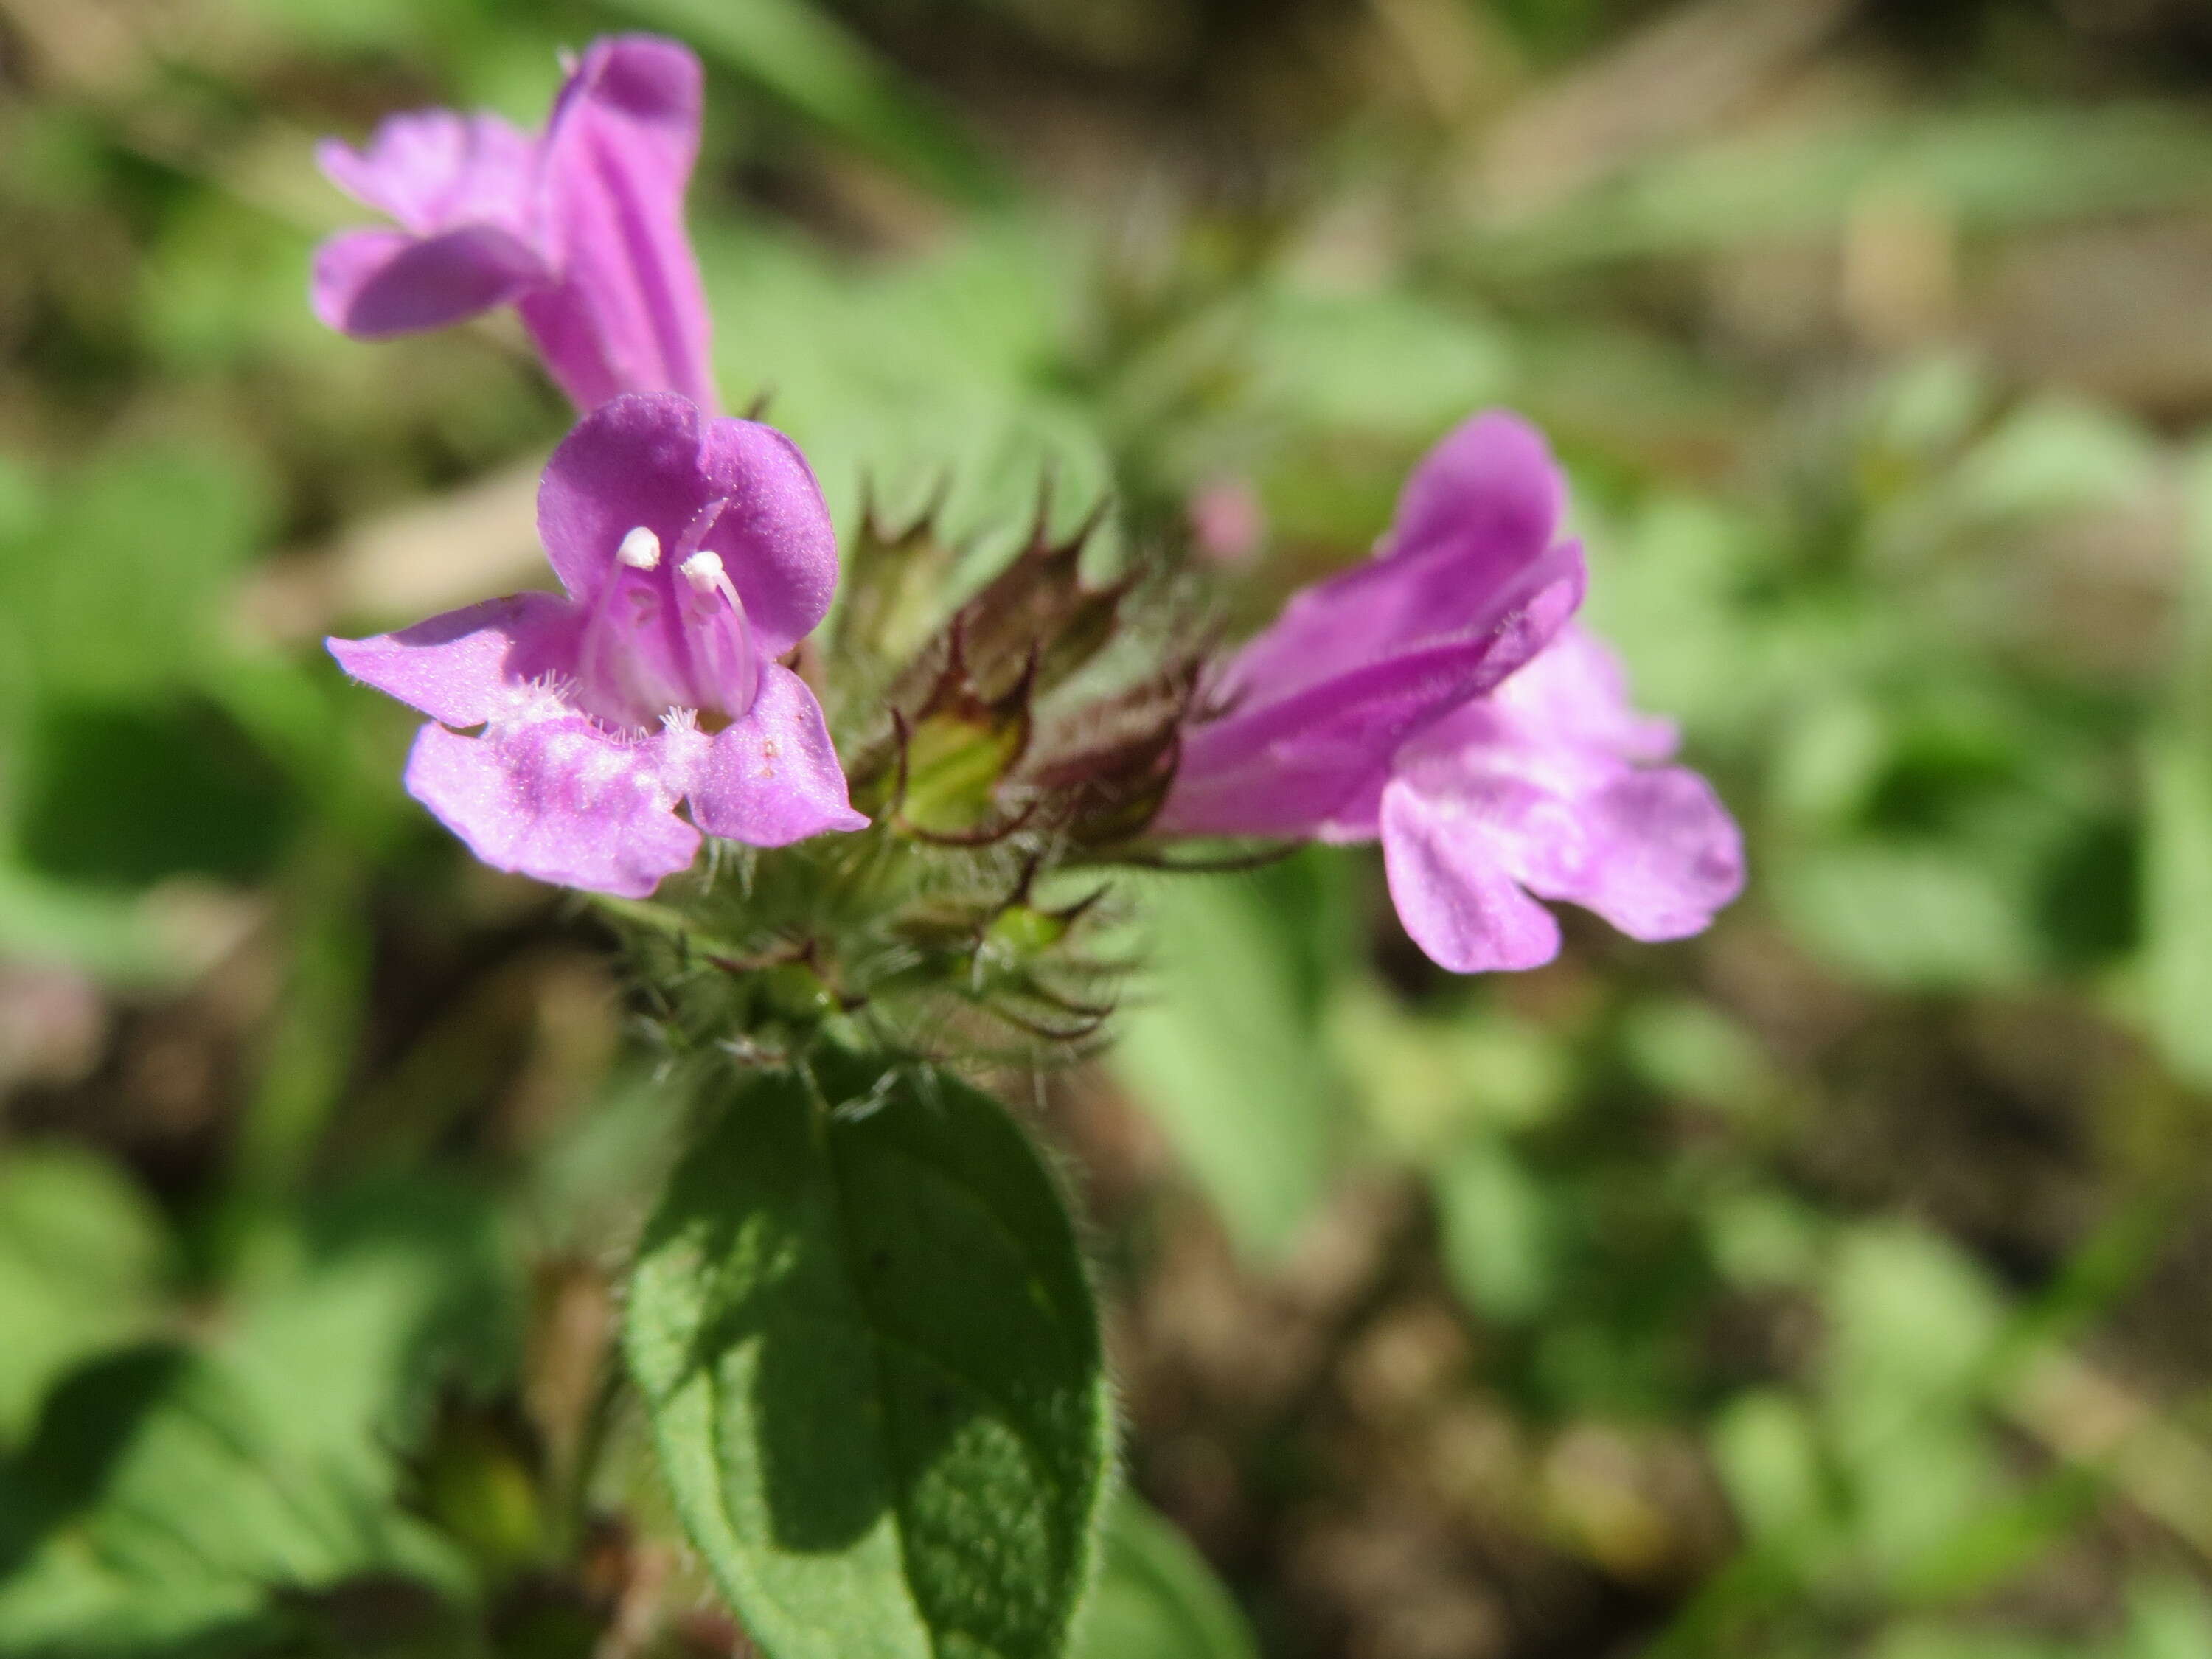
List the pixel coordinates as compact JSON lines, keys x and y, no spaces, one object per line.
{"x":639,"y":549}
{"x":703,"y":570}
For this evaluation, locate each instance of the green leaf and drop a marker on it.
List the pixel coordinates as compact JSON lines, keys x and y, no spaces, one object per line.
{"x":2177,"y":901}
{"x":159,"y":1503}
{"x":1389,"y":363}
{"x":936,"y":380}
{"x":1912,"y":1320}
{"x":872,"y":1364}
{"x":807,"y":58}
{"x":1225,"y":1050}
{"x":1499,"y":1230}
{"x":1910,"y":913}
{"x":1767,"y":1452}
{"x":121,"y":590}
{"x":1156,"y":1597}
{"x":173,"y":1494}
{"x":2176,"y":764}
{"x":1989,"y":169}
{"x":83,"y":1256}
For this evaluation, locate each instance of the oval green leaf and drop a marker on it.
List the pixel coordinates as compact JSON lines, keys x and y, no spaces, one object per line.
{"x":1157,"y":1598}
{"x":871,"y":1359}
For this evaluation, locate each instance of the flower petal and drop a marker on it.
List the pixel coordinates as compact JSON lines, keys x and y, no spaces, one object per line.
{"x":773,"y":777}
{"x":467,"y":666}
{"x":1490,"y":482}
{"x":1478,"y":514}
{"x":655,"y":460}
{"x":629,"y":313}
{"x":1651,"y":850}
{"x":375,"y":284}
{"x":775,"y":538}
{"x":1575,"y":689}
{"x":1288,"y":765}
{"x":434,"y":169}
{"x":1658,"y":854}
{"x":1456,"y":902}
{"x":558,"y":799}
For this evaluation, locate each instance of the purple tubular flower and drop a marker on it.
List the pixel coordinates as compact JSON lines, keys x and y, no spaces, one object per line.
{"x":582,"y":229}
{"x":1440,"y":698}
{"x":694,"y":550}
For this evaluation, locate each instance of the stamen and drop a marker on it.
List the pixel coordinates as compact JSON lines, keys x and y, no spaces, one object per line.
{"x":703,"y":570}
{"x":639,"y":549}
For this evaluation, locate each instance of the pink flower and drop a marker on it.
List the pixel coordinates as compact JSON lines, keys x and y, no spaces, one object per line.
{"x":694,"y":550}
{"x":1440,"y":698}
{"x":582,"y":229}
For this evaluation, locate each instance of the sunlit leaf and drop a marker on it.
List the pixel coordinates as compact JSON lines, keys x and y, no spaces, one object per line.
{"x":872,"y":1364}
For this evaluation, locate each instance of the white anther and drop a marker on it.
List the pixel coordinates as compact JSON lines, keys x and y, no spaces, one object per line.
{"x":703,"y":570}
{"x":639,"y":549}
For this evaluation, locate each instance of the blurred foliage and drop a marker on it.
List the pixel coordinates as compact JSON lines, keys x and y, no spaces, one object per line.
{"x":1834,"y":1285}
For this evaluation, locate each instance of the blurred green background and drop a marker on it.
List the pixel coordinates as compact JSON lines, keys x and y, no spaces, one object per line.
{"x":1837,"y":1284}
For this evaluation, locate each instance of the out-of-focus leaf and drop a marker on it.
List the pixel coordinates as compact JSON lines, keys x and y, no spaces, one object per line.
{"x":2053,"y":457}
{"x":1426,"y":1084}
{"x":2168,"y":1618}
{"x":160,"y":1502}
{"x":1389,"y":363}
{"x":2176,"y":764}
{"x":120,"y":795}
{"x":1910,"y":914}
{"x":1989,"y":169}
{"x":1156,"y":1598}
{"x":1767,"y":1451}
{"x":930,"y":384}
{"x":803,"y":55}
{"x":173,"y":1493}
{"x":385,"y":1288}
{"x":2177,"y":906}
{"x":1224,"y":1047}
{"x":83,"y":1258}
{"x":120,"y":588}
{"x":1498,"y":1230}
{"x":872,"y":1360}
{"x":1912,"y":1326}
{"x":1761,"y":1238}
{"x":1911,"y":1322}
{"x":1692,"y":1050}
{"x":155,"y":939}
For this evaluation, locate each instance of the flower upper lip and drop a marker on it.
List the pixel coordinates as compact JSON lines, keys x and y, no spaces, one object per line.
{"x":582,"y":229}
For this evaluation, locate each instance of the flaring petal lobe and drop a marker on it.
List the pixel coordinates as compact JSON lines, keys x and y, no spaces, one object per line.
{"x":1661,"y":856}
{"x":559,"y":800}
{"x":773,"y":778}
{"x":1455,"y":900}
{"x":373,"y":284}
{"x":467,"y":666}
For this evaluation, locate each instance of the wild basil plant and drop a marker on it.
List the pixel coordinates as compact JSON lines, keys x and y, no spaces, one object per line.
{"x":863,"y":846}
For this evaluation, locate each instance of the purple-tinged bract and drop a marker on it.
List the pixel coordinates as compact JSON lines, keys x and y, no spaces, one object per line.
{"x":694,"y":550}
{"x":1439,"y":697}
{"x":582,"y":228}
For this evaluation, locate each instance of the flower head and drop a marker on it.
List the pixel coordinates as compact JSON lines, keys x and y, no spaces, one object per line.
{"x":1440,"y":698}
{"x":694,"y":551}
{"x":582,"y":228}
